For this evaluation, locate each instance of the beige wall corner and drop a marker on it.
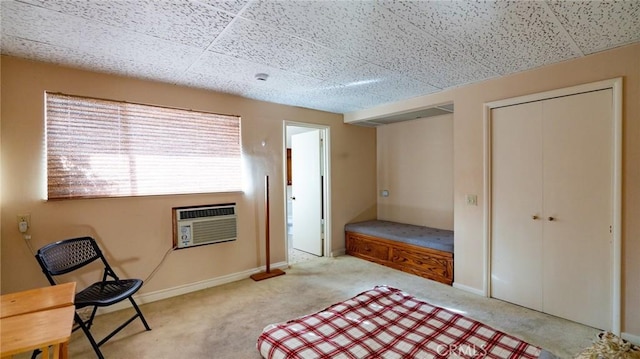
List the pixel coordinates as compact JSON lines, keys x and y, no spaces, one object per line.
{"x":415,"y":166}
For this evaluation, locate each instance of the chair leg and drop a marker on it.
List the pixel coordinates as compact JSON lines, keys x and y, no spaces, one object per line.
{"x":123,"y":325}
{"x":135,"y":306}
{"x":89,"y":322}
{"x":89,"y":336}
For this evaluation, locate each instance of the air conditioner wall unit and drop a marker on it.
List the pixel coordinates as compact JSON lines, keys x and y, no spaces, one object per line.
{"x":206,"y":224}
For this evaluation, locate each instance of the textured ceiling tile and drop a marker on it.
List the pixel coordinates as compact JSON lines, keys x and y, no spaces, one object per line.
{"x":215,"y":82}
{"x":364,"y":30}
{"x":232,"y":6}
{"x":433,"y":62}
{"x":262,"y":44}
{"x":599,"y":25}
{"x":335,"y":24}
{"x":353,"y":98}
{"x":357,"y":28}
{"x":330,"y":101}
{"x":506,"y":36}
{"x":86,"y":60}
{"x":216,"y":68}
{"x":102,"y":41}
{"x":183,"y":21}
{"x":369,"y":32}
{"x":384,"y":83}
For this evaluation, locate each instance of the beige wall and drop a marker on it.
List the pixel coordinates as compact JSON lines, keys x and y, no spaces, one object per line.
{"x":415,"y":164}
{"x":468,"y":157}
{"x":136,"y":232}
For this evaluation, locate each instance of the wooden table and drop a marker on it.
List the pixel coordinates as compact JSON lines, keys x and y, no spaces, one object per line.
{"x":37,"y":319}
{"x":38,"y":299}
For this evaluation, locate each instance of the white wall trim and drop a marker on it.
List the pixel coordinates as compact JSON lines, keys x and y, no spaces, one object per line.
{"x":616,"y":86}
{"x":635,"y":339}
{"x":145,"y":298}
{"x":469,"y":289}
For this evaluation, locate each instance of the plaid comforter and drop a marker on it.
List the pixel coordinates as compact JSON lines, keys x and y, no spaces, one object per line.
{"x":387,"y":323}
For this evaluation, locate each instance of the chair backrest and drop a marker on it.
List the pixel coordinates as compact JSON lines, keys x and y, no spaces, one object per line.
{"x":68,"y":255}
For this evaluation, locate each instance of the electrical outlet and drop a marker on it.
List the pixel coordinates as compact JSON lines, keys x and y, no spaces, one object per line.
{"x":24,"y":218}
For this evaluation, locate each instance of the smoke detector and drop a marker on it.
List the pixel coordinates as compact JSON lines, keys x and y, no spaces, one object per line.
{"x":262,"y":77}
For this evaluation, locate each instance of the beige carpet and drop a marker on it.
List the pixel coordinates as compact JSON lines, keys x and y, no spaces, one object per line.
{"x":224,"y":322}
{"x":296,"y":256}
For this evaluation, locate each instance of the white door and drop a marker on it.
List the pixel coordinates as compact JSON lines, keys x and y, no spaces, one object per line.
{"x":578,"y":167}
{"x":516,"y":268}
{"x":306,"y":192}
{"x":551,"y":206}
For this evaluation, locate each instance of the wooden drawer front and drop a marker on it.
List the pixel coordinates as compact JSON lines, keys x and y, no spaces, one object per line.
{"x":430,"y":265}
{"x":367,"y":248}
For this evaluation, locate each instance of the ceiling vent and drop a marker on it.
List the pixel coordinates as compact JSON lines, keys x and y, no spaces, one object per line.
{"x":406,"y":116}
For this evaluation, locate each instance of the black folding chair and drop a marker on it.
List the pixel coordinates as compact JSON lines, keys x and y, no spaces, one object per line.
{"x":68,"y":255}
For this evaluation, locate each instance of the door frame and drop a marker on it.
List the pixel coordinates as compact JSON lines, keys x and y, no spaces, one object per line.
{"x":616,"y":261}
{"x":326,"y":183}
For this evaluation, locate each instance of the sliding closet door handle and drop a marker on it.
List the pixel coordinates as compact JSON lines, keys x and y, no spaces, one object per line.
{"x":534,"y":217}
{"x":551,"y":219}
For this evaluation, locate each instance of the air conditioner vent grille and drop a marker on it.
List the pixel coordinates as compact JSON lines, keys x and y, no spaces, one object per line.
{"x":207,"y":212}
{"x":214,"y":231}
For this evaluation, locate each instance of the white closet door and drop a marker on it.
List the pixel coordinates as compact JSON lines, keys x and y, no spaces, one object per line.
{"x":577,"y":243}
{"x":516,"y":248}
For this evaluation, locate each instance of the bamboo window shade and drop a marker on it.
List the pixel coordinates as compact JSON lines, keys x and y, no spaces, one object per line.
{"x":101,"y":148}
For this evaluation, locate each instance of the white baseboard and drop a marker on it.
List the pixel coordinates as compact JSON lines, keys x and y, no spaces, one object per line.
{"x":635,"y":339}
{"x":466,"y":288}
{"x":188,"y":288}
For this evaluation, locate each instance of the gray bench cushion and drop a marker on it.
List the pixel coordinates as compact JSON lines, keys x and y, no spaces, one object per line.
{"x":440,"y":239}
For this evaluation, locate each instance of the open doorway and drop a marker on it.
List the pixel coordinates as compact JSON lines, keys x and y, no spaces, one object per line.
{"x":307,"y":191}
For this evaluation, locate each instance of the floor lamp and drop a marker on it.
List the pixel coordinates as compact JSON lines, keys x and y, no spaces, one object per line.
{"x":268,"y":273}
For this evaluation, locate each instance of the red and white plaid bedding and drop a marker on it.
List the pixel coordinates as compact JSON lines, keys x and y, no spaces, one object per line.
{"x":387,"y":323}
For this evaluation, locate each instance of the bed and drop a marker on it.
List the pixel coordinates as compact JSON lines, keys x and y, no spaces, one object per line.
{"x":385,"y":322}
{"x":424,"y":251}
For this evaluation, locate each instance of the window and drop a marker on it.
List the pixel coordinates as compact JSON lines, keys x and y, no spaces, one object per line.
{"x":101,"y":148}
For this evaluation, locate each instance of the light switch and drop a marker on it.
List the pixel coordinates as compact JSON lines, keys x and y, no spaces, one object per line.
{"x":472,"y":199}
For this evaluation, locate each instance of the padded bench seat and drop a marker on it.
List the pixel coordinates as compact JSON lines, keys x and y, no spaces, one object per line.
{"x":424,"y":251}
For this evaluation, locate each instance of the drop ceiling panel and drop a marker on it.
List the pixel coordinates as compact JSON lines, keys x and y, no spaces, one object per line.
{"x":221,"y":69}
{"x":347,"y":26}
{"x":107,"y":44}
{"x":186,"y":22}
{"x":374,"y":79}
{"x":506,"y":36}
{"x":232,"y":6}
{"x":366,"y":31}
{"x":599,"y":25}
{"x":88,"y":60}
{"x":302,"y":99}
{"x":346,"y":94}
{"x":263,"y":44}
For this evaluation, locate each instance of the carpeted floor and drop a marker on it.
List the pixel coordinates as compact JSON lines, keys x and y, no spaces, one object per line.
{"x":225,"y":321}
{"x":296,"y":256}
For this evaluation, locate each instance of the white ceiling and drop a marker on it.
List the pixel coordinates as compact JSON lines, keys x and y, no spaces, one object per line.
{"x":338,"y":56}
